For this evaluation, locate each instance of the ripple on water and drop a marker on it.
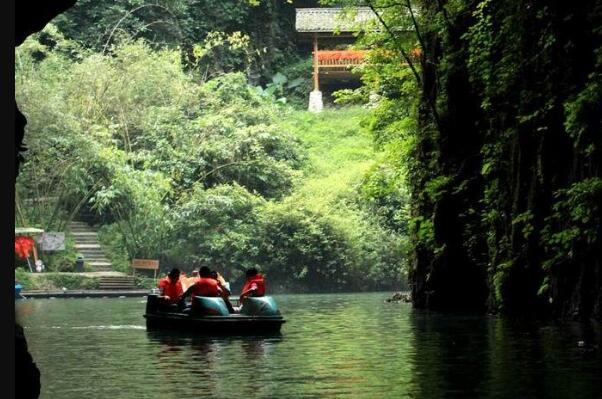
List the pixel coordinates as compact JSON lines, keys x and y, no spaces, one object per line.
{"x":343,"y":346}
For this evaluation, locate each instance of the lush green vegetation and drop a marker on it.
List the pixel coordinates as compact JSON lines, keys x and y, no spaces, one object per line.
{"x":202,"y":172}
{"x":220,"y":36}
{"x":55,"y":281}
{"x":494,"y":126}
{"x":481,"y":145}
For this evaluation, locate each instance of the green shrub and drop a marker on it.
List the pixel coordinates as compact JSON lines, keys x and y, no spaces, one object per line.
{"x":144,"y":282}
{"x":55,"y":281}
{"x":113,"y":242}
{"x":23,"y":277}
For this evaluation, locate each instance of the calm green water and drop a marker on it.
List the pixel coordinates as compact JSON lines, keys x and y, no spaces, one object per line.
{"x":333,"y":346}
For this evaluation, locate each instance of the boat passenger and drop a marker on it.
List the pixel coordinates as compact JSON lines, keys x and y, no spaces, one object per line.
{"x":171,"y":290}
{"x":205,"y":285}
{"x":189,"y":281}
{"x":225,"y":289}
{"x":254,"y":285}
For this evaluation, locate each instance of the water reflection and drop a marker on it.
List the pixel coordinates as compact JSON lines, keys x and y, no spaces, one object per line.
{"x":491,"y":357}
{"x":206,"y":362}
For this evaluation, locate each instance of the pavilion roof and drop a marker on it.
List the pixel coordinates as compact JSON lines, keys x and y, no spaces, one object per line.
{"x":330,"y":19}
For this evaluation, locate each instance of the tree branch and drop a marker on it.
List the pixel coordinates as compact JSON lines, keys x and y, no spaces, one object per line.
{"x":394,"y":37}
{"x":418,"y":35}
{"x":127,"y":14}
{"x":405,"y":56}
{"x":79,"y":205}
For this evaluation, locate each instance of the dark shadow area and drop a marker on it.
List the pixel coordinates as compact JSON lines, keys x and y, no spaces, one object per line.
{"x":492,"y":357}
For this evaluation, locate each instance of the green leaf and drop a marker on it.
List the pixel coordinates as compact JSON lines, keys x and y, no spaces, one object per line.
{"x":279,"y":79}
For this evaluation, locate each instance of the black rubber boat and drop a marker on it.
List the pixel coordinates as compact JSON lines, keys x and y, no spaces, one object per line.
{"x":258,"y":315}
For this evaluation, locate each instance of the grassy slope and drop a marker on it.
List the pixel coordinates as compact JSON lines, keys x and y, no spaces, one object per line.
{"x":339,"y":152}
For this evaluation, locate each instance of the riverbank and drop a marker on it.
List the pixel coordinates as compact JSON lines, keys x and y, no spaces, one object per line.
{"x":34,"y":294}
{"x":61,"y":281}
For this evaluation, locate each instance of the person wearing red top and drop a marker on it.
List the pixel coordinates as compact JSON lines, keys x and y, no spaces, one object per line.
{"x":254,"y":285}
{"x":171,"y":289}
{"x":224,"y":288}
{"x":204,"y":285}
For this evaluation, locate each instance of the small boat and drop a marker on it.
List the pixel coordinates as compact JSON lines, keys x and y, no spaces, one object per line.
{"x":257,"y":315}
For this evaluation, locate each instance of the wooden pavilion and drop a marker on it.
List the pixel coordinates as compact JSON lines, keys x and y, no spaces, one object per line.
{"x":329,"y":28}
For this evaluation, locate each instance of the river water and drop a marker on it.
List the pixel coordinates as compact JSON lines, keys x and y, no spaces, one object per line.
{"x":332,"y":346}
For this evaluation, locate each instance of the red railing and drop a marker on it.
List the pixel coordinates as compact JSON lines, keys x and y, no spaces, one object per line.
{"x":340,"y":58}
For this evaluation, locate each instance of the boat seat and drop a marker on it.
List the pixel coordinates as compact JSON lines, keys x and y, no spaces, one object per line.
{"x":209,"y":306}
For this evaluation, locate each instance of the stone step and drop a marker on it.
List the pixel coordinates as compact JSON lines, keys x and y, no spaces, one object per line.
{"x":87,"y":246}
{"x":116,"y":278}
{"x":95,"y":258}
{"x":93,"y":255}
{"x":116,"y":288}
{"x":101,"y":264}
{"x":78,"y":224}
{"x":115,"y":282}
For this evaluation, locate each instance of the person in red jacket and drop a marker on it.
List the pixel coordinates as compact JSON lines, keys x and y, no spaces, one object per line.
{"x":171,"y":290}
{"x":224,"y":287}
{"x":254,"y":285}
{"x":204,"y":286}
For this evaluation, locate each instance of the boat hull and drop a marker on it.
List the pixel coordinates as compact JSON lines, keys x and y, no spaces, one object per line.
{"x":234,"y":324}
{"x":242,"y":324}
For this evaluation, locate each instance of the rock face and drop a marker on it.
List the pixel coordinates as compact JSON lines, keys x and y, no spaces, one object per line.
{"x":400,"y":297}
{"x":27,"y":374}
{"x":506,"y":174}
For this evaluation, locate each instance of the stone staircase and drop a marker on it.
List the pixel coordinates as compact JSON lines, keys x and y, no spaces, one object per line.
{"x":87,"y":244}
{"x":117,"y":283}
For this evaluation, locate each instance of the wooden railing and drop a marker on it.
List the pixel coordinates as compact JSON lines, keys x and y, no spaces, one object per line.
{"x":338,"y":63}
{"x":336,"y":59}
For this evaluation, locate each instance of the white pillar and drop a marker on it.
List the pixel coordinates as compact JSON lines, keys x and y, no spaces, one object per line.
{"x":315,"y":101}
